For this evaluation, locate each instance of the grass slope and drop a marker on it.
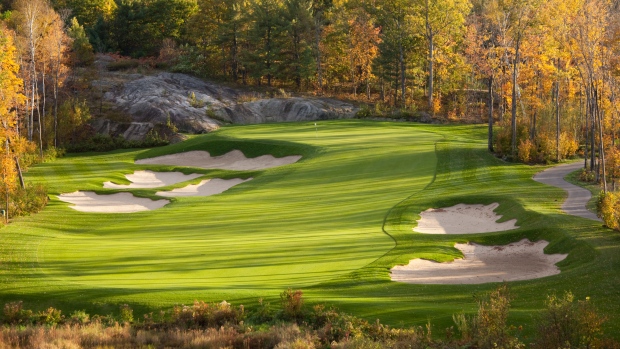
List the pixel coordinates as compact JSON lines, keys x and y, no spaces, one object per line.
{"x":332,"y":224}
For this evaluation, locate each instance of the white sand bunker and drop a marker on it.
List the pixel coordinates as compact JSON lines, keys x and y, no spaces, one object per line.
{"x":233,"y":160}
{"x":462,"y":219}
{"x":150,"y":179}
{"x":88,"y":201}
{"x":523,"y":260}
{"x":205,"y":188}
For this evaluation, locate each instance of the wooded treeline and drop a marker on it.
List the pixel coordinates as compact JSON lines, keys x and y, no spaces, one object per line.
{"x":546,"y":71}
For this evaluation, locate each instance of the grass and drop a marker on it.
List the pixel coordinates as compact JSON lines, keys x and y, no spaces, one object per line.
{"x":332,"y":224}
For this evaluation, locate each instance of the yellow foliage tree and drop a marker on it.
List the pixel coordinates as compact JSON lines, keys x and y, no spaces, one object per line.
{"x":10,"y":97}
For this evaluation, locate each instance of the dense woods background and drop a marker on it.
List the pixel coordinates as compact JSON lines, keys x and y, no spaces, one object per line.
{"x":546,"y":72}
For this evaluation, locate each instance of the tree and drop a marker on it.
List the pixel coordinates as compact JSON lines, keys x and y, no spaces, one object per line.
{"x":10,"y":97}
{"x":139,"y":27}
{"x":265,"y":36}
{"x":81,"y":49}
{"x":363,"y":48}
{"x":441,"y":18}
{"x":297,"y":15}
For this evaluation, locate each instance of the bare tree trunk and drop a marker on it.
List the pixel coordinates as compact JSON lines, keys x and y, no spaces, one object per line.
{"x":317,"y":43}
{"x":513,"y":121}
{"x":490,"y":101}
{"x":401,"y":60}
{"x":19,"y":173}
{"x":7,"y":198}
{"x":557,"y":121}
{"x":431,"y":59}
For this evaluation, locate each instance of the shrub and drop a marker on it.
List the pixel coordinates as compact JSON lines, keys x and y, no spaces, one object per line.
{"x":15,"y":314}
{"x":126,"y":313}
{"x":364,"y":112}
{"x":50,"y":317}
{"x":526,"y":150}
{"x":32,"y":199}
{"x":568,"y":324}
{"x":488,"y":328}
{"x":79,"y":317}
{"x":608,"y":209}
{"x":292,"y":304}
{"x":194,"y":102}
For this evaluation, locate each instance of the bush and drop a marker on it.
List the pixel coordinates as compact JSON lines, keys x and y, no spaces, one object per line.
{"x":488,"y":328}
{"x":14,"y":314}
{"x":608,"y":209}
{"x":568,"y":324}
{"x":204,"y":315}
{"x":292,"y":304}
{"x":364,"y":112}
{"x":26,"y":201}
{"x":79,"y":317}
{"x":50,"y":317}
{"x":126,"y":313}
{"x":526,"y":150}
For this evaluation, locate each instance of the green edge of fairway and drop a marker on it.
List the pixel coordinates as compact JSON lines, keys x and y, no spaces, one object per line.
{"x":463,"y":173}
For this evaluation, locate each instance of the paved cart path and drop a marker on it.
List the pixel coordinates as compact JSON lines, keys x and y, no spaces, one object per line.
{"x":578,"y":197}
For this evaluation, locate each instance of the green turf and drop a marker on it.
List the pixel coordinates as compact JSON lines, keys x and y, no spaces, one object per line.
{"x":332,"y":224}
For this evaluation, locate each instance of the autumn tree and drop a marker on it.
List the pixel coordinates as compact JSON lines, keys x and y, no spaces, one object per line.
{"x":10,"y":97}
{"x":363,"y":48}
{"x":443,"y":22}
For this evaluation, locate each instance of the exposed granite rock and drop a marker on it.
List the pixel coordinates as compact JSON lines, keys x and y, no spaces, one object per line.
{"x":197,"y":106}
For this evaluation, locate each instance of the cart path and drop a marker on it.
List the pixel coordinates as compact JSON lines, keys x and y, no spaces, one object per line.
{"x":578,"y":197}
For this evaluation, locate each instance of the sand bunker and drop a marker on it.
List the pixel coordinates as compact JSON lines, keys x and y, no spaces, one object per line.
{"x":233,"y":160}
{"x":462,"y":219}
{"x":205,"y":188}
{"x":88,"y":201}
{"x":150,"y":179}
{"x":523,"y":260}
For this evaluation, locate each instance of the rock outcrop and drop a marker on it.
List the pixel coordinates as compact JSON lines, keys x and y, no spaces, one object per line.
{"x":197,"y":106}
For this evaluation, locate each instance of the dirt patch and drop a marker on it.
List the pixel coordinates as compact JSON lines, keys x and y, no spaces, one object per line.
{"x":205,"y":188}
{"x":523,"y":260}
{"x":462,"y":219}
{"x":150,"y":179}
{"x":233,"y":160}
{"x":88,"y":201}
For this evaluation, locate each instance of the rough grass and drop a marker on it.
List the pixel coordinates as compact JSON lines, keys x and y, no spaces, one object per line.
{"x":332,"y":224}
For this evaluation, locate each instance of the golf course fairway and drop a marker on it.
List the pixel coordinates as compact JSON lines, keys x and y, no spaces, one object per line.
{"x":331,"y":224}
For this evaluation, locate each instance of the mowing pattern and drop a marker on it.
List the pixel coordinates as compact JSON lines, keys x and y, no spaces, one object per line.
{"x":292,"y":226}
{"x":316,"y":224}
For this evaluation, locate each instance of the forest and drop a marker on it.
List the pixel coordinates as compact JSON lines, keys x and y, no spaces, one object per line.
{"x":545,"y":72}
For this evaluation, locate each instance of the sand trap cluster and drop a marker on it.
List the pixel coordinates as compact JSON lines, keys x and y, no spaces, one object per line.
{"x":233,"y":160}
{"x":205,"y":188}
{"x":150,"y":179}
{"x":523,"y":260}
{"x":462,"y":219}
{"x":88,"y":201}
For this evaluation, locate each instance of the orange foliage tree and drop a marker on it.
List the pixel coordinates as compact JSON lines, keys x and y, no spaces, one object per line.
{"x":10,"y":96}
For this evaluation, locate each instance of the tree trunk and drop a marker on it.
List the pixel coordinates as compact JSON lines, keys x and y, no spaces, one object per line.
{"x":317,"y":42}
{"x":557,"y":121}
{"x":431,"y":47}
{"x":490,"y":102}
{"x":513,"y":121}
{"x":401,"y":61}
{"x":7,"y":198}
{"x":19,"y":173}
